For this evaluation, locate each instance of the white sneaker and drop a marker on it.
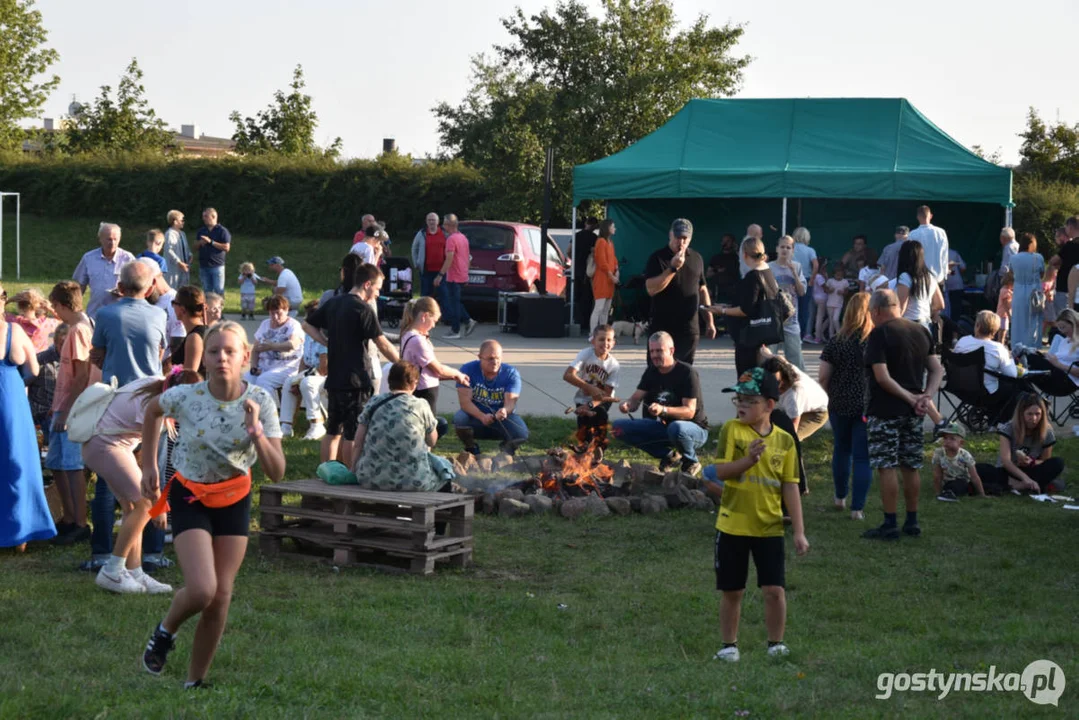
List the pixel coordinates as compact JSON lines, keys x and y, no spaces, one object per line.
{"x":453,"y":336}
{"x":153,"y":587}
{"x":840,"y":503}
{"x":779,"y":650}
{"x":122,"y":583}
{"x":315,"y":432}
{"x":728,"y":654}
{"x":286,"y":430}
{"x":857,"y":515}
{"x":470,"y":327}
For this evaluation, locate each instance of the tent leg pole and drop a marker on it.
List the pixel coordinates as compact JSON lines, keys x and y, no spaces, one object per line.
{"x":573,"y":267}
{"x":783,"y":224}
{"x":18,"y":238}
{"x":1007,"y":217}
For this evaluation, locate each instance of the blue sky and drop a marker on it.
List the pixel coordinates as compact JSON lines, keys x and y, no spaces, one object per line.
{"x":376,"y":68}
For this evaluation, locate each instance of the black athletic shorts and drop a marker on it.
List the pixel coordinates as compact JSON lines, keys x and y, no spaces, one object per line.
{"x":732,"y":560}
{"x":232,"y":519}
{"x":344,"y":411}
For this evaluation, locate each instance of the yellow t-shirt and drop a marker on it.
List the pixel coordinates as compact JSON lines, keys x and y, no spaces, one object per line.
{"x":751,"y":503}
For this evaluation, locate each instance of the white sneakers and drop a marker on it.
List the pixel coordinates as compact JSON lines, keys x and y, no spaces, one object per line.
{"x":315,"y":432}
{"x":286,"y":430}
{"x":728,"y":654}
{"x":779,"y":650}
{"x":470,"y":327}
{"x":452,"y":336}
{"x":126,"y":584}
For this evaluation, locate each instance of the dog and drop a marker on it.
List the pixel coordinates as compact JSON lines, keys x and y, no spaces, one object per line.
{"x":625,"y":327}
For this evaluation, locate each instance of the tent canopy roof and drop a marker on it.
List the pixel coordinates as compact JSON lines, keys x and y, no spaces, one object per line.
{"x":860,"y":148}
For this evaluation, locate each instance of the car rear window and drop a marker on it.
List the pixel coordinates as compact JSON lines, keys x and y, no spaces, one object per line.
{"x":488,"y":237}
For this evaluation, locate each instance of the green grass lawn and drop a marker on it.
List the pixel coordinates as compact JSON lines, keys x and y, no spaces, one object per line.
{"x":51,"y":248}
{"x":992,"y":582}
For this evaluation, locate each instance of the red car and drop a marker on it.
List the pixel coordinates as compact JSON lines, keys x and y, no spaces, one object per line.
{"x":506,"y":258}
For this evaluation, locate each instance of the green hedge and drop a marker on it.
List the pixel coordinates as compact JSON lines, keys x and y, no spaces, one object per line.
{"x":257,"y":195}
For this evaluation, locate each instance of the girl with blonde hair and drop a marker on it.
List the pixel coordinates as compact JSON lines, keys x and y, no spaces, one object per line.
{"x":420,"y":317}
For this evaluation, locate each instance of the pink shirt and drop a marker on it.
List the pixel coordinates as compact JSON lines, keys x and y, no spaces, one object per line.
{"x":125,"y":413}
{"x":418,"y":350}
{"x":458,"y":270}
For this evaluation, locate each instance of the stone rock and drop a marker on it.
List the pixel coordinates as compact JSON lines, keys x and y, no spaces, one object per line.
{"x":540,"y":504}
{"x":690,"y":481}
{"x":574,"y":508}
{"x":467,"y":462}
{"x":671,"y":480}
{"x":501,"y":461}
{"x":533,"y":464}
{"x":597,"y":506}
{"x":651,"y":504}
{"x":679,"y":497}
{"x":485,"y":465}
{"x":652,"y":478}
{"x":623,"y":474}
{"x":489,"y":504}
{"x":511,"y":493}
{"x":508,"y":507}
{"x":701,"y":501}
{"x":635,"y":503}
{"x":619,"y":505}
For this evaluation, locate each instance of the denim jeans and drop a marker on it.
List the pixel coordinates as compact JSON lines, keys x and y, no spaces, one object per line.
{"x":806,"y":308}
{"x":213,"y":279}
{"x":454,"y":308}
{"x":511,"y":431}
{"x":792,"y":349}
{"x":103,"y":516}
{"x":851,"y":446}
{"x":657,"y":439}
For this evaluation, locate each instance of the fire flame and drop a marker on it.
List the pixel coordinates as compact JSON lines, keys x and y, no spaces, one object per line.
{"x":581,"y":466}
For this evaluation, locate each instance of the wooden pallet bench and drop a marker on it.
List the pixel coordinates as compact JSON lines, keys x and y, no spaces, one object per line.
{"x":397,"y":531}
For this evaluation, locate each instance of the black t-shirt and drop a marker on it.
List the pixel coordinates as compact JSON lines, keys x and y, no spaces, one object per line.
{"x":349,"y":323}
{"x":726,"y":266}
{"x":675,"y":309}
{"x":181,"y":348}
{"x":904,"y":346}
{"x":585,"y":241}
{"x":671,"y":388}
{"x":756,"y":286}
{"x":1069,"y":258}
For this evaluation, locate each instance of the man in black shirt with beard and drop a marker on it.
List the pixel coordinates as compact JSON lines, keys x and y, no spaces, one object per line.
{"x":674,"y":278}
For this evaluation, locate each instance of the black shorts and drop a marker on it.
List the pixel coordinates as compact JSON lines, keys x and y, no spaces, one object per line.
{"x":732,"y":561}
{"x":232,"y":519}
{"x":344,"y":411}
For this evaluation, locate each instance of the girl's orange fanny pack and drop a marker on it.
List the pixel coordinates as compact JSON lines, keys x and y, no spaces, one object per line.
{"x":212,"y":495}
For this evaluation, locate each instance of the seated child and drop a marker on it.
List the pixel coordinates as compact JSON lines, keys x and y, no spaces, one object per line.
{"x":756,"y":475}
{"x":954,"y":473}
{"x":155,"y":241}
{"x":595,"y":373}
{"x":249,"y":281}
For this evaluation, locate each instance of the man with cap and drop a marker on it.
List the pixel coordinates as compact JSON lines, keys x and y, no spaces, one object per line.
{"x":287,"y":284}
{"x":673,"y":425}
{"x":675,"y":280}
{"x":889,"y":256}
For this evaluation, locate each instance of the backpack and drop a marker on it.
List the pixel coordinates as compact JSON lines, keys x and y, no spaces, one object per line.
{"x":590,"y":266}
{"x":1037,"y":302}
{"x":992,"y":288}
{"x":87,"y":410}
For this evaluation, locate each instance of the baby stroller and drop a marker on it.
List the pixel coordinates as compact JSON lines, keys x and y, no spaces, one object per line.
{"x":396,"y":290}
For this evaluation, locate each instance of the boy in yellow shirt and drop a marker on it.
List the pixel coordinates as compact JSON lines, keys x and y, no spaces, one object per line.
{"x":756,"y":475}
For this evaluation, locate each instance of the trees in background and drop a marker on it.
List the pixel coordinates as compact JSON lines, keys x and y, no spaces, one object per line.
{"x":124,"y":124}
{"x":1047,"y":178}
{"x":23,"y":58}
{"x":588,"y":85}
{"x":286,"y":126}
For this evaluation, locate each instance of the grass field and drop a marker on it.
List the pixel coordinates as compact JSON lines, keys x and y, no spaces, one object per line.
{"x":992,"y":582}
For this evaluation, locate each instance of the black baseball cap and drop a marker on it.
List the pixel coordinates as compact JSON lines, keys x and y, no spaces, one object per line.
{"x":682,"y":227}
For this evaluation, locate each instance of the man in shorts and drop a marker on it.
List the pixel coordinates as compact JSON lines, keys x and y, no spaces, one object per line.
{"x":344,"y":324}
{"x":898,"y":355}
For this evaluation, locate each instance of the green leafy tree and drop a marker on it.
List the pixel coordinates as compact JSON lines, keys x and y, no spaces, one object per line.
{"x":1050,"y":153}
{"x":286,"y":126}
{"x":22,"y":59}
{"x":588,"y":86}
{"x":124,"y":124}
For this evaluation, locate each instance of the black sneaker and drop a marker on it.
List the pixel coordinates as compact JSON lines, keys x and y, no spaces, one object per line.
{"x":669,"y":462}
{"x":913,"y":530}
{"x":947,"y":496}
{"x":157,"y":651}
{"x":884,"y":532}
{"x":691,"y":467}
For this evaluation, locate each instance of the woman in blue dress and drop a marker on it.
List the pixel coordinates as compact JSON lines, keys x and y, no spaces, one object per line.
{"x":24,"y":513}
{"x":1027,"y":266}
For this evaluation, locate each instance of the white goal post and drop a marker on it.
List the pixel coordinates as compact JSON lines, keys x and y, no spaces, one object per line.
{"x":18,"y":233}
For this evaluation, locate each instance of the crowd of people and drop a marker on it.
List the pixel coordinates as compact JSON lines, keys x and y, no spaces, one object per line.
{"x":170,"y":405}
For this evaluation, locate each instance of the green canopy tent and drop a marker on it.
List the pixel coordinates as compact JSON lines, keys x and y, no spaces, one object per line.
{"x":838,"y":166}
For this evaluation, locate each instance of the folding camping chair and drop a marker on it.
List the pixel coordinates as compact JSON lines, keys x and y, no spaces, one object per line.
{"x":964,"y":390}
{"x":1060,"y":393}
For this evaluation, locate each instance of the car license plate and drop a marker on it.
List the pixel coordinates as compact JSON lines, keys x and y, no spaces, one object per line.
{"x":477,"y":279}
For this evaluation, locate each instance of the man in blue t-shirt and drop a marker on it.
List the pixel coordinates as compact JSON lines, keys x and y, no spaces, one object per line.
{"x":488,"y":402}
{"x":129,"y":335}
{"x":213,"y":243}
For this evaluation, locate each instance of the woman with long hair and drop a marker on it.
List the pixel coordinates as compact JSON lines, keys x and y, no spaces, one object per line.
{"x":800,"y":396}
{"x":842,"y":375}
{"x":190,"y":308}
{"x":788,"y":274}
{"x":605,"y":278}
{"x":111,"y":454}
{"x":758,"y":285}
{"x":919,"y":296}
{"x":224,"y":426}
{"x":1062,"y":359}
{"x":1025,"y":462}
{"x":420,"y":317}
{"x":1027,"y":267}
